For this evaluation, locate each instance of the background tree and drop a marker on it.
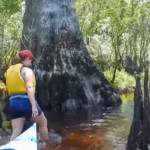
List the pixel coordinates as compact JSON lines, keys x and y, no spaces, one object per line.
{"x":110,"y":27}
{"x":126,"y":24}
{"x":139,"y":137}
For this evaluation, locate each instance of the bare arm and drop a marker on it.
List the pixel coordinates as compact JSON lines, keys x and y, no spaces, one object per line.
{"x":30,"y":90}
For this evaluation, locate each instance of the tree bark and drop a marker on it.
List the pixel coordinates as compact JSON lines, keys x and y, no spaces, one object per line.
{"x":146,"y":112}
{"x":67,"y":77}
{"x":135,"y":135}
{"x":139,"y":137}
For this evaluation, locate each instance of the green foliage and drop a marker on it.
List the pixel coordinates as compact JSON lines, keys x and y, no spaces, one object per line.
{"x":10,"y":32}
{"x":93,"y":15}
{"x":2,"y":85}
{"x":123,"y":80}
{"x":5,"y":123}
{"x":8,"y":8}
{"x":114,"y":30}
{"x":127,"y":97}
{"x":99,"y":50}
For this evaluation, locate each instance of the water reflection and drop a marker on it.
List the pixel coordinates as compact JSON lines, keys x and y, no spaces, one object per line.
{"x":96,"y":129}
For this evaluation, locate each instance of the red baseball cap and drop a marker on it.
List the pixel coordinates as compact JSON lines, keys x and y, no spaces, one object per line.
{"x":25,"y":54}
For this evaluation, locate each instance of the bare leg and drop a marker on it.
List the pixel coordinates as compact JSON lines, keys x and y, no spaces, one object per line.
{"x":17,"y":126}
{"x":42,"y":124}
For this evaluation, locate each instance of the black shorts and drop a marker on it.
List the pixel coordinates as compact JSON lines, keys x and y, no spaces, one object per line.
{"x":20,"y":106}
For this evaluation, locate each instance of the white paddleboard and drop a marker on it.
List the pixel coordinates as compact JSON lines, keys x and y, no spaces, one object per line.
{"x":26,"y":141}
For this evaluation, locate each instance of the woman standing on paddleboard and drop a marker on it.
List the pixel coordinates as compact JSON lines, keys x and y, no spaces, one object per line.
{"x":20,"y":83}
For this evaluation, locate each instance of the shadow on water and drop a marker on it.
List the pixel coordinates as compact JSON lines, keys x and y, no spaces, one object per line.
{"x":105,"y":129}
{"x":96,"y":129}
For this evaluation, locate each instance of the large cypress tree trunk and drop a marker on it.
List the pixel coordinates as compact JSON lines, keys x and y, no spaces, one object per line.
{"x":67,"y":77}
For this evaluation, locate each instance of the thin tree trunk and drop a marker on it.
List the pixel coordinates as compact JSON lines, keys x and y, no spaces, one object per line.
{"x":146,"y":114}
{"x":135,"y":135}
{"x":139,"y":137}
{"x":114,"y":74}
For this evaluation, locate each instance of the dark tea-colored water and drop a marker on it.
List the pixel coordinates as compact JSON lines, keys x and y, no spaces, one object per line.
{"x":96,"y":129}
{"x":91,"y":130}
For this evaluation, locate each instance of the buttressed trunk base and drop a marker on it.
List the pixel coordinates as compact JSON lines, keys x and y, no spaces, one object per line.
{"x":67,"y":78}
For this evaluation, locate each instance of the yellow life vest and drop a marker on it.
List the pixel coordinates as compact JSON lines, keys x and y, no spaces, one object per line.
{"x":14,"y":82}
